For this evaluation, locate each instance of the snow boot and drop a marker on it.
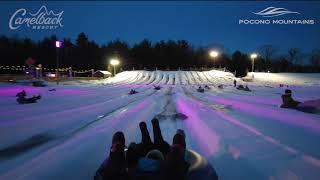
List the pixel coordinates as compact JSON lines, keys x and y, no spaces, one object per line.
{"x":159,"y":142}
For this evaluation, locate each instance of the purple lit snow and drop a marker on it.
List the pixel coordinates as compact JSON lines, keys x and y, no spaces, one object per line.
{"x":243,"y":135}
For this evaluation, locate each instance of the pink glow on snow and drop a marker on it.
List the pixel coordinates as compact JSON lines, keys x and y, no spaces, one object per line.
{"x":260,"y":100}
{"x":12,"y":91}
{"x":305,"y":157}
{"x":129,"y":112}
{"x":269,"y":139}
{"x":297,"y":119}
{"x":311,"y":160}
{"x":30,"y":90}
{"x":208,"y":140}
{"x":237,"y":123}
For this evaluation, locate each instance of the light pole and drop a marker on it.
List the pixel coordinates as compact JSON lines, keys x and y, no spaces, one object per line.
{"x":58,"y":46}
{"x":253,"y":56}
{"x":114,"y":63}
{"x":213,"y":54}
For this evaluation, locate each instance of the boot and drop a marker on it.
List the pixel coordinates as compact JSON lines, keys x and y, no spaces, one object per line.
{"x":144,"y":133}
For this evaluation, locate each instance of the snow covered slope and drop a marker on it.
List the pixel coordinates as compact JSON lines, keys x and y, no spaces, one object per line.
{"x":244,"y":135}
{"x":287,"y":78}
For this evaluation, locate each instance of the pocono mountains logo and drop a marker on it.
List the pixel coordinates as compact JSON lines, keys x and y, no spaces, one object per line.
{"x":270,"y":16}
{"x":41,"y":20}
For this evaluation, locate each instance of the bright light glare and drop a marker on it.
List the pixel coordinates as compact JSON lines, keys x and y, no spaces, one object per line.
{"x":254,"y":55}
{"x":214,"y":54}
{"x":58,"y":44}
{"x":114,"y":62}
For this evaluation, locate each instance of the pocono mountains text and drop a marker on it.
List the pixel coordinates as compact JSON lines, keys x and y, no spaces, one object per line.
{"x":41,"y":20}
{"x":278,"y":21}
{"x":271,"y":12}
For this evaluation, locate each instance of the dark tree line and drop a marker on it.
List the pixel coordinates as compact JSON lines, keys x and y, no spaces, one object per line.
{"x":87,"y":54}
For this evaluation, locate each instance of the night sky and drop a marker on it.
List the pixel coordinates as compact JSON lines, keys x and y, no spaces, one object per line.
{"x":200,"y":23}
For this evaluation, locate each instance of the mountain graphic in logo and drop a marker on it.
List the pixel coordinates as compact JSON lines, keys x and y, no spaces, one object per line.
{"x":273,"y":11}
{"x":42,"y":19}
{"x":45,"y":11}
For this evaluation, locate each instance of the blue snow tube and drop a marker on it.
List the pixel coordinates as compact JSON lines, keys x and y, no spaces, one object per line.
{"x":308,"y":109}
{"x":200,"y":90}
{"x":199,"y":168}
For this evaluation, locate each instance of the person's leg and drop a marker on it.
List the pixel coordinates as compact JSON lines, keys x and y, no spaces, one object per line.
{"x":157,"y":136}
{"x":175,"y":165}
{"x":159,"y":142}
{"x":145,"y":136}
{"x":146,"y":144}
{"x":179,"y":139}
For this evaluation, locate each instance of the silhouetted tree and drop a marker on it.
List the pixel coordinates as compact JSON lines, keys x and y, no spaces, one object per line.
{"x":267,"y":52}
{"x":293,"y":57}
{"x":84,"y":53}
{"x":315,"y":58}
{"x":241,"y":63}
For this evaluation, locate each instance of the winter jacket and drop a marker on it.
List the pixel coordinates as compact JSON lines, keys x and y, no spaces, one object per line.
{"x":289,"y":102}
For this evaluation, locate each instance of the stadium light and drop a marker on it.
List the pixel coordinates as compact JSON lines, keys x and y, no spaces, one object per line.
{"x":58,"y":46}
{"x":253,"y":56}
{"x":114,"y":62}
{"x":214,"y":54}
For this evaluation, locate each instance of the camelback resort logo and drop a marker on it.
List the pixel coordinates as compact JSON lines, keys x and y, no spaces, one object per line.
{"x":271,"y":15}
{"x":40,"y":20}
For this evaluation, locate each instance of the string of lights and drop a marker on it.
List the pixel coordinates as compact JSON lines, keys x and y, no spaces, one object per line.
{"x":24,"y":68}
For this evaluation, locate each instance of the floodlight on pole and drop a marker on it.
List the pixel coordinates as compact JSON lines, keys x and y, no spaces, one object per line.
{"x":58,"y":46}
{"x":213,"y":54}
{"x":253,"y":56}
{"x":114,"y":62}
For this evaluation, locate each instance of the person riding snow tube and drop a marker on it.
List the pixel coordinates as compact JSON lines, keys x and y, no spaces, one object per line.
{"x":21,"y":94}
{"x":246,"y":88}
{"x":200,"y":89}
{"x":132,"y":91}
{"x":162,"y":161}
{"x":22,"y":99}
{"x":290,"y":103}
{"x":157,"y":87}
{"x":206,"y":87}
{"x":241,"y":87}
{"x":150,"y":168}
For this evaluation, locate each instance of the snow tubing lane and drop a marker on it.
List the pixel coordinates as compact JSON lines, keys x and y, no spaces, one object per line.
{"x":199,"y":168}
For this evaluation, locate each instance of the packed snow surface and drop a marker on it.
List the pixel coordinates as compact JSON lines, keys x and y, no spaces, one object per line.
{"x":244,"y":135}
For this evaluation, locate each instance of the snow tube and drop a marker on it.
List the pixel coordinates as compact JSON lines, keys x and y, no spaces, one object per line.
{"x":312,"y":106}
{"x":199,"y":168}
{"x":28,"y":100}
{"x":308,"y":109}
{"x":200,"y":90}
{"x":132,"y":92}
